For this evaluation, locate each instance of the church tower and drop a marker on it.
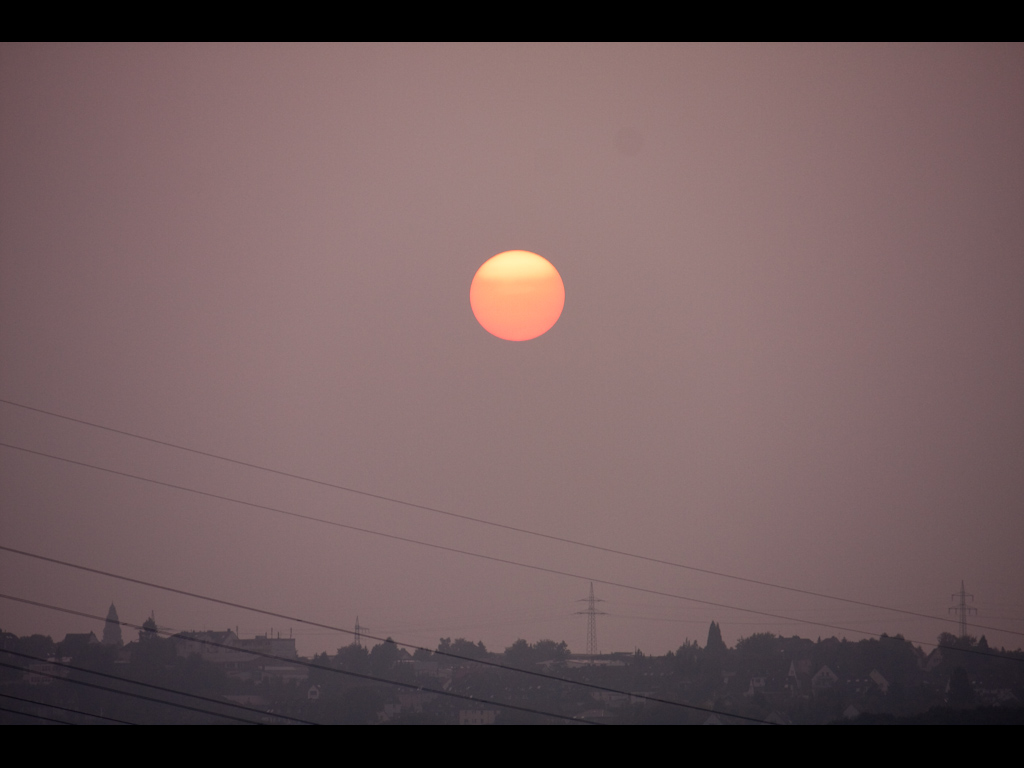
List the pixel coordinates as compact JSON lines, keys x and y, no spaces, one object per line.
{"x":112,"y":629}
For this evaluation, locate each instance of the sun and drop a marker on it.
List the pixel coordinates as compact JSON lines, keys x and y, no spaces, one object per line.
{"x":517,"y":295}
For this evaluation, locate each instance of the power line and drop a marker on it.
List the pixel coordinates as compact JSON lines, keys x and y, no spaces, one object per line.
{"x":396,"y":537}
{"x":313,"y":665}
{"x":64,"y":709}
{"x":479,"y":520}
{"x":37,"y":717}
{"x":491,"y":558}
{"x":319,"y":625}
{"x":447,"y":654}
{"x":298,"y":662}
{"x":152,"y":686}
{"x":115,"y":690}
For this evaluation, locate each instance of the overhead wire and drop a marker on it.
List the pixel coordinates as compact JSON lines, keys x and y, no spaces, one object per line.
{"x":225,"y":646}
{"x":467,"y":553}
{"x":446,"y":654}
{"x":140,"y":683}
{"x":63,"y":709}
{"x":274,"y":657}
{"x":483,"y":521}
{"x":314,"y":665}
{"x":87,"y":684}
{"x":37,"y":717}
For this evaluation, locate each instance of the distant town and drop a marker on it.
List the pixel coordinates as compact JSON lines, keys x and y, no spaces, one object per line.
{"x":207,"y":677}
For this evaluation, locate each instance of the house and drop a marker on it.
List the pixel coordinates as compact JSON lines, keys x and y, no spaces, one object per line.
{"x":824,"y":679}
{"x":477,"y":716}
{"x":255,"y":658}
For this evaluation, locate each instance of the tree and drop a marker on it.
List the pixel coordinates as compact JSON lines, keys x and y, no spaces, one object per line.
{"x":154,"y":658}
{"x":947,"y":640}
{"x":758,"y":644}
{"x":715,"y":644}
{"x":686,"y":659}
{"x":546,"y":650}
{"x":961,"y":692}
{"x":383,"y":657}
{"x":353,"y":658}
{"x":464,"y":647}
{"x":519,"y":654}
{"x":461,"y":647}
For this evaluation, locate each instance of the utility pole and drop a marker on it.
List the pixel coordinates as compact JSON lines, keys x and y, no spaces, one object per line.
{"x":591,"y":613}
{"x":963,"y":609}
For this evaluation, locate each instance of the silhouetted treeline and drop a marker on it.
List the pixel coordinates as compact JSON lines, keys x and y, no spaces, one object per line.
{"x":216,"y":677}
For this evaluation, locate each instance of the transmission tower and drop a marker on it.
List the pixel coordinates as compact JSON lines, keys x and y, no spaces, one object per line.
{"x":591,"y":613}
{"x":963,"y":609}
{"x":359,"y":634}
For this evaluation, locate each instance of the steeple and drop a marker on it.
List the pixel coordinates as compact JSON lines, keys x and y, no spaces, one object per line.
{"x":112,"y":629}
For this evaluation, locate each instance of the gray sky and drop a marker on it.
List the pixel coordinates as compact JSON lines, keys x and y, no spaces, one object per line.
{"x":791,"y":348}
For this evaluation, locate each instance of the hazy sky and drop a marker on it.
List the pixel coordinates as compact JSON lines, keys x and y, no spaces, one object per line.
{"x":792,"y":347}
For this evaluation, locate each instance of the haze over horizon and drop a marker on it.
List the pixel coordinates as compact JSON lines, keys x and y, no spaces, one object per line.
{"x":790,"y":351}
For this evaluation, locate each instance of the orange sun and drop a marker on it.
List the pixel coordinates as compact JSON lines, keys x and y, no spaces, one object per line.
{"x":517,"y":295}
